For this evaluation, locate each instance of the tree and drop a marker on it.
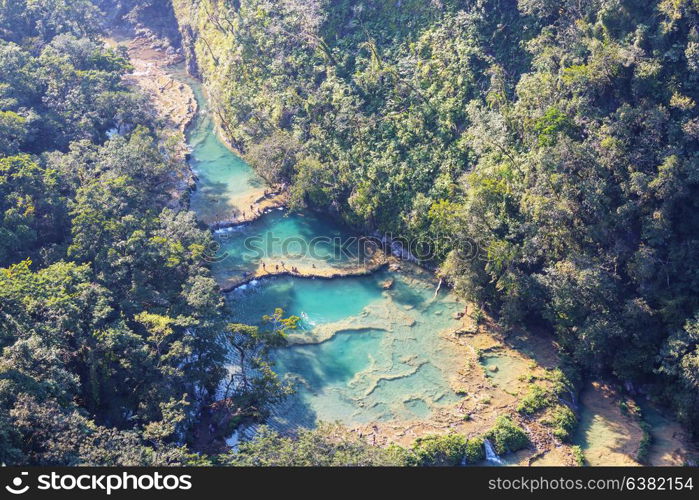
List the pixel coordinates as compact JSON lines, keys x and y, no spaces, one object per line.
{"x":31,"y":205}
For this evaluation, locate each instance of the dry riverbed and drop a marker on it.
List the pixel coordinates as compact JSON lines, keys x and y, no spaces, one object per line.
{"x":173,"y":100}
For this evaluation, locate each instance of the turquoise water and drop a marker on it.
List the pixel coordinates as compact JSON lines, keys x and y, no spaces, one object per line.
{"x":317,"y":301}
{"x":225,"y":181}
{"x":305,"y":241}
{"x":370,"y":348}
{"x":362,"y":353}
{"x":504,"y":370}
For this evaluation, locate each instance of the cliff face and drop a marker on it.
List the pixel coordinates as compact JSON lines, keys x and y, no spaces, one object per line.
{"x":188,"y":44}
{"x":151,"y":19}
{"x":191,"y":19}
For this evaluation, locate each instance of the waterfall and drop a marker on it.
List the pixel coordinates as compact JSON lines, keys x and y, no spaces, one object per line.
{"x":436,"y":292}
{"x":233,"y":440}
{"x":490,"y":454}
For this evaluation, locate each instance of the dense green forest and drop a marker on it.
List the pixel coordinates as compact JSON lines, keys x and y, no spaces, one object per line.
{"x":557,"y":141}
{"x":112,"y":330}
{"x":545,"y":152}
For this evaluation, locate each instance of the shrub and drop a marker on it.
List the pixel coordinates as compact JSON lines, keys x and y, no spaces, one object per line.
{"x":561,"y":383}
{"x":507,"y":436}
{"x":445,"y":450}
{"x":624,"y":407}
{"x":644,"y":445}
{"x":328,"y":445}
{"x":563,"y":421}
{"x":474,"y":451}
{"x":578,"y":455}
{"x":537,"y":398}
{"x":478,"y":315}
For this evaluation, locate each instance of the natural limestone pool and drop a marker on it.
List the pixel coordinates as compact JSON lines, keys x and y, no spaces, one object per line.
{"x":377,"y":348}
{"x":362,"y":354}
{"x":368,"y":348}
{"x":283,"y":241}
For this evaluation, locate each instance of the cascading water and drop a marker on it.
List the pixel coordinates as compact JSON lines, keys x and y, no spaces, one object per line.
{"x":490,"y":454}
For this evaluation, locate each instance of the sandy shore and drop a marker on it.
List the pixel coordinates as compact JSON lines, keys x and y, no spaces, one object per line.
{"x":262,"y":202}
{"x":272,"y":268}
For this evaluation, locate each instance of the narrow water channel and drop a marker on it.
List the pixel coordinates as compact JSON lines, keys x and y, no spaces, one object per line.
{"x":224,"y":181}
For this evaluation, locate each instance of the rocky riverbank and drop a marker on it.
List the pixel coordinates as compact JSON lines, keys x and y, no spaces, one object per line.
{"x":173,"y":101}
{"x":152,"y":73}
